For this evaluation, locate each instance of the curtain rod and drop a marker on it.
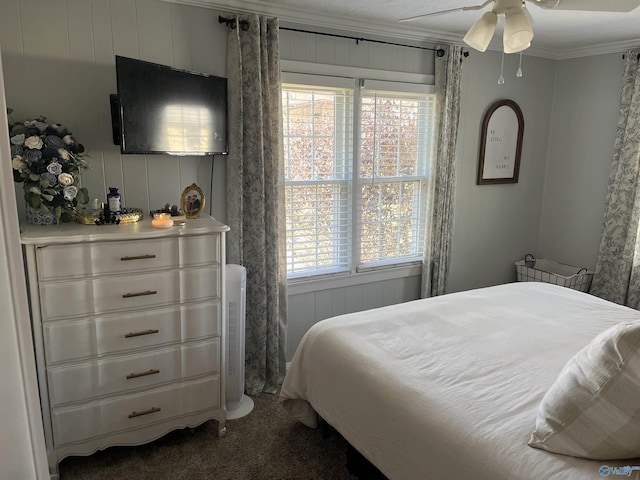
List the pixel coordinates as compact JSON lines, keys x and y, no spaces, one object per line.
{"x":244,"y":25}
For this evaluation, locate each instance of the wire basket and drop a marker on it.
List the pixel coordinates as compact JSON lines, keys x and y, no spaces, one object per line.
{"x":549,"y":271}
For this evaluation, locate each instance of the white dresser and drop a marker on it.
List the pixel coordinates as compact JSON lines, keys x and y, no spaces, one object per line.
{"x":128,"y":327}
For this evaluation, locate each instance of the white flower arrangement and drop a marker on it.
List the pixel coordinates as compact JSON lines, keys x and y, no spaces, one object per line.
{"x":47,"y":160}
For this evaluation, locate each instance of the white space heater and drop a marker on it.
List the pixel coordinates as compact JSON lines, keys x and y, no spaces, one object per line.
{"x":238,"y":404}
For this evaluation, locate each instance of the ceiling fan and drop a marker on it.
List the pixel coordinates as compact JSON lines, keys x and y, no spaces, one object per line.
{"x":518,"y":32}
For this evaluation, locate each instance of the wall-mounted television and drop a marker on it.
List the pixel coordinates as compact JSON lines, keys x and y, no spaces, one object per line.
{"x":164,"y":110}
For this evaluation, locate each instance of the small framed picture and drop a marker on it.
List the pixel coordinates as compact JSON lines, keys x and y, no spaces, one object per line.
{"x":501,"y":144}
{"x":192,"y":201}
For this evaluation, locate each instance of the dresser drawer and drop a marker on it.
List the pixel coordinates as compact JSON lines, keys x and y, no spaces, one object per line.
{"x":134,"y":411}
{"x":200,"y":249}
{"x":97,"y":336}
{"x":87,"y":259}
{"x":101,"y":258}
{"x":90,"y":380}
{"x":127,"y":292}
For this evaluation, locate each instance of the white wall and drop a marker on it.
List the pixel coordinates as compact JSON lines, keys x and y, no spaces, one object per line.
{"x":583,"y":129}
{"x":59,"y":59}
{"x":496,"y":225}
{"x":323,"y":49}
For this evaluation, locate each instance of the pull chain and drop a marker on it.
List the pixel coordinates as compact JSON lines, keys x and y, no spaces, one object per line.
{"x":501,"y":78}
{"x":519,"y":72}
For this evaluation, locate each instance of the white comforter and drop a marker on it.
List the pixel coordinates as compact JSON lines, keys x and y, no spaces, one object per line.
{"x":448,"y":388}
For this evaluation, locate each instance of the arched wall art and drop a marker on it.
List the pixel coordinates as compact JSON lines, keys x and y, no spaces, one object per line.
{"x":501,"y":143}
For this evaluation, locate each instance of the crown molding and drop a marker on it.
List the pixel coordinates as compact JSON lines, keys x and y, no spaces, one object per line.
{"x":613,"y":47}
{"x":302,"y":17}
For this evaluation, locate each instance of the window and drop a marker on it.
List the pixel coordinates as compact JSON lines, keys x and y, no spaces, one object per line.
{"x":357,"y":163}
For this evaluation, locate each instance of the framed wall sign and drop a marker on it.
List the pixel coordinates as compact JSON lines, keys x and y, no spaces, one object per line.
{"x":501,"y":143}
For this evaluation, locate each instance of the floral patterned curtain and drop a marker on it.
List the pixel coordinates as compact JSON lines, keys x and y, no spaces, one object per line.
{"x":617,"y":276}
{"x":448,"y":70}
{"x":255,"y":194}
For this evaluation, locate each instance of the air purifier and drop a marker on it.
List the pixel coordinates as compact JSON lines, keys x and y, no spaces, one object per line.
{"x":238,"y":404}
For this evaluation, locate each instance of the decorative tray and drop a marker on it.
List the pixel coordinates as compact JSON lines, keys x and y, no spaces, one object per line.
{"x":128,"y":215}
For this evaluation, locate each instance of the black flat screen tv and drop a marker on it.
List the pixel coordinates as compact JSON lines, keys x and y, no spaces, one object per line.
{"x":164,"y":110}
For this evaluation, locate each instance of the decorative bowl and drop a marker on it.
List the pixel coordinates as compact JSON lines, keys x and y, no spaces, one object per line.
{"x":130,"y":215}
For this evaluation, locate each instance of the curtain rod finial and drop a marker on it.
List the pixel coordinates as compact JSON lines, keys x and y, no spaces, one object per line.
{"x":230,"y":22}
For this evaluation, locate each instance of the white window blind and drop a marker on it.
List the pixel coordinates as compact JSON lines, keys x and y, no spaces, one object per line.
{"x":318,"y":140}
{"x":357,"y":168}
{"x":396,"y":143}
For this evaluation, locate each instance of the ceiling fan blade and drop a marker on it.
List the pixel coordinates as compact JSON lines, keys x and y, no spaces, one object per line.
{"x":442,"y":12}
{"x":589,"y":5}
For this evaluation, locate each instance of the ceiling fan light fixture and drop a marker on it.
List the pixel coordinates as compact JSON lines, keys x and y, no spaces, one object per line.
{"x":518,"y":49}
{"x":517,"y":31}
{"x":480,"y":34}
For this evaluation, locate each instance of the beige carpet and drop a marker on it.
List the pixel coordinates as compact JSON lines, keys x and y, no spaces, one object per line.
{"x":264,"y":445}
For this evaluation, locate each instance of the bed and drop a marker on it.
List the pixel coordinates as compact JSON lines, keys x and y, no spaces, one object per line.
{"x":450,"y":387}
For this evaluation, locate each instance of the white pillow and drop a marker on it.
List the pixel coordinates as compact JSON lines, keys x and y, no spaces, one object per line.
{"x":593,"y":408}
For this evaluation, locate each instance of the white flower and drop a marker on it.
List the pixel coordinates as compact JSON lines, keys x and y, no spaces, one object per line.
{"x":70,"y":192}
{"x":33,"y":142}
{"x":63,"y":154}
{"x":17,"y":163}
{"x":18,"y":139}
{"x":46,"y":162}
{"x":65,"y":179}
{"x":55,"y":168}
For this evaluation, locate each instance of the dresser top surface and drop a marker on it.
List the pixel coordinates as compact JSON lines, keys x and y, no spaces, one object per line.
{"x":77,"y":233}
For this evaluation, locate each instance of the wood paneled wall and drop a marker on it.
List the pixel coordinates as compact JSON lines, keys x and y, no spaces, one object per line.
{"x":308,"y":308}
{"x":59,"y":58}
{"x":305,"y":47}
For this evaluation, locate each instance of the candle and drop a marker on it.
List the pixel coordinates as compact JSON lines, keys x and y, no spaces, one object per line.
{"x":162,"y":220}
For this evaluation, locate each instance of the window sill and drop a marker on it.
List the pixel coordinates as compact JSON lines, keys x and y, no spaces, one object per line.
{"x":299,"y":286}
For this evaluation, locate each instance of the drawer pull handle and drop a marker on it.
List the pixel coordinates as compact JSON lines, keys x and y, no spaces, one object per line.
{"x":138,"y":334}
{"x":139,"y":294}
{"x":153,"y":371}
{"x":146,"y":412}
{"x":137,"y":257}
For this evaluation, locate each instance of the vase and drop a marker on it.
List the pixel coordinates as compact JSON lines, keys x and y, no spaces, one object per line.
{"x":37,"y":217}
